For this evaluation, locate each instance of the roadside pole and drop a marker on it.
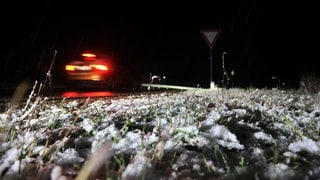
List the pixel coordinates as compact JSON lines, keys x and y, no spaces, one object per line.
{"x":211,"y":35}
{"x":211,"y":70}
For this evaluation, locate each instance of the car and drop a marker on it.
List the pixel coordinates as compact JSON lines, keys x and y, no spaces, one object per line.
{"x":90,"y":69}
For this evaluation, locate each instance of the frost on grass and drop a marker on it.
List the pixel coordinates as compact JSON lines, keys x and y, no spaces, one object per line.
{"x":201,"y":134}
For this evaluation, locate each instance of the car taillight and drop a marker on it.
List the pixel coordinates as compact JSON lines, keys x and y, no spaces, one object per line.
{"x":99,"y":67}
{"x":88,"y":56}
{"x":70,"y":67}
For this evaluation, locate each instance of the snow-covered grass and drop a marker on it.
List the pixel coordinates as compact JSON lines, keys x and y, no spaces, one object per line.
{"x":197,"y":134}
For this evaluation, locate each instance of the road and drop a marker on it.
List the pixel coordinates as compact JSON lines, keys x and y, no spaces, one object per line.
{"x":22,"y":93}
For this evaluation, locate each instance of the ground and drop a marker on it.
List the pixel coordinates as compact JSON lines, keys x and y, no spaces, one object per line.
{"x":192,"y":134}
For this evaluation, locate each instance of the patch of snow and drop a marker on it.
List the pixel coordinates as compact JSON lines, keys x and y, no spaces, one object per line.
{"x":9,"y":159}
{"x":150,"y":138}
{"x":132,"y":141}
{"x":263,"y":136}
{"x":69,"y":156}
{"x":87,"y":124}
{"x":240,"y":112}
{"x":139,"y":166}
{"x":4,"y":117}
{"x":198,"y":141}
{"x":213,"y":116}
{"x":279,"y":171}
{"x":172,"y":145}
{"x":305,"y":144}
{"x":225,"y":137}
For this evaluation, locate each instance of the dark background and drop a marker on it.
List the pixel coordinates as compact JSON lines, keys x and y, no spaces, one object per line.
{"x":263,"y":40}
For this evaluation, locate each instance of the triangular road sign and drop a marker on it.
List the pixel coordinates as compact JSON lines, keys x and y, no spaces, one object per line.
{"x":210,"y":35}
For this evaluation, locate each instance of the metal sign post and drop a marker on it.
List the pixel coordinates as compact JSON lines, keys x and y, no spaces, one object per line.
{"x":210,"y":35}
{"x":211,"y":69}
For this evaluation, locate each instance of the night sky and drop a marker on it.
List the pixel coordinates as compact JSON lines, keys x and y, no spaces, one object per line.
{"x":262,"y":39}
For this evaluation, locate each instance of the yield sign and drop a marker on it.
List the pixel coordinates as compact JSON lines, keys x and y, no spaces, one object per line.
{"x":210,"y":35}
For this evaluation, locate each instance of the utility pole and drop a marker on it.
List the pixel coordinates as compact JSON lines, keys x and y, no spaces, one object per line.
{"x":224,"y":71}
